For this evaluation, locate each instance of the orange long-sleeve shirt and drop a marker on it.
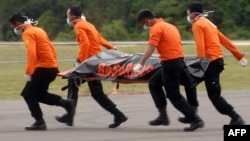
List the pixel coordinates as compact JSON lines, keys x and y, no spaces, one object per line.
{"x":167,"y":40}
{"x":40,"y":51}
{"x":209,"y":40}
{"x":89,"y":39}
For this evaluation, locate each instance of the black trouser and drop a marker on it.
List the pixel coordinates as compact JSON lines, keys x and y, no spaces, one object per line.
{"x":212,"y":83}
{"x":171,"y":76}
{"x":36,"y":91}
{"x":159,"y":97}
{"x":96,"y":90}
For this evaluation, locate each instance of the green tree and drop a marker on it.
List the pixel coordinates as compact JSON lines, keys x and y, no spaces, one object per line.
{"x":49,"y":23}
{"x":115,"y":31}
{"x":111,"y":16}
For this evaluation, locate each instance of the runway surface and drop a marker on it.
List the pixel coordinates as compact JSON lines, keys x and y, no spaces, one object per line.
{"x":91,"y":121}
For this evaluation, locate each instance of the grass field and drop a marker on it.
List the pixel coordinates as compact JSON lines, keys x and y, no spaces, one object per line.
{"x":12,"y":64}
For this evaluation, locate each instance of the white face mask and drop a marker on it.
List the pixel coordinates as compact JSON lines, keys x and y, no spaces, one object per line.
{"x":69,"y":22}
{"x":145,"y":27}
{"x":189,"y":20}
{"x":19,"y":31}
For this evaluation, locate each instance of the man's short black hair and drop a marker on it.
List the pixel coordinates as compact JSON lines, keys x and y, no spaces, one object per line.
{"x":195,"y":7}
{"x":75,"y":10}
{"x":143,"y":14}
{"x":17,"y":17}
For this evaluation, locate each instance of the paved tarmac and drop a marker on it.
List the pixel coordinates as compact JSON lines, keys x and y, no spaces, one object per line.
{"x":91,"y":121}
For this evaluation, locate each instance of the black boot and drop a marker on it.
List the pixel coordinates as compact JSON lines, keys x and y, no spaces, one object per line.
{"x":69,"y":106}
{"x":65,"y":119}
{"x":236,"y":119}
{"x":185,"y":119}
{"x":162,"y":119}
{"x":196,"y":122}
{"x":119,"y":118}
{"x":38,"y":125}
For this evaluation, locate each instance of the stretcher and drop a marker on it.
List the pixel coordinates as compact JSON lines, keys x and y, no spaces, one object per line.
{"x":117,"y":66}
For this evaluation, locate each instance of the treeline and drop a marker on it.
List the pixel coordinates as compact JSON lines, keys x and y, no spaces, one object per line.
{"x":116,"y":19}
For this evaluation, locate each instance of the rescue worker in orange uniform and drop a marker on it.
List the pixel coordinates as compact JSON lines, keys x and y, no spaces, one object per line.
{"x":41,"y":70}
{"x":165,"y":38}
{"x":90,"y":42}
{"x":208,"y":41}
